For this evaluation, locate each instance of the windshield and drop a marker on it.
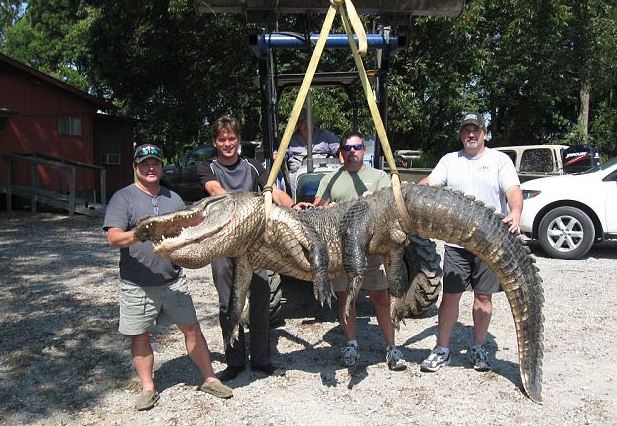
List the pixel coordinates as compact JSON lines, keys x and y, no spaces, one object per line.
{"x":602,"y":166}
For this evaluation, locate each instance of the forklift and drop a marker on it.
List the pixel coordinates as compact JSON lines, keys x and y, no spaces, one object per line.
{"x":393,"y":18}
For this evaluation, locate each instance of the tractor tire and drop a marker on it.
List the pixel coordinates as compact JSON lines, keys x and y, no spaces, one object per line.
{"x":276,"y":301}
{"x":424,"y":271}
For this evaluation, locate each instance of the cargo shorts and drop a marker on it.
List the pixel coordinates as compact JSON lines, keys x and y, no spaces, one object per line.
{"x":142,"y":307}
{"x":463,"y":271}
{"x":374,"y":278}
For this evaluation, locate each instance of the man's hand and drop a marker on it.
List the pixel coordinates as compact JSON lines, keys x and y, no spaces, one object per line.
{"x":514,"y":221}
{"x":302,"y":205}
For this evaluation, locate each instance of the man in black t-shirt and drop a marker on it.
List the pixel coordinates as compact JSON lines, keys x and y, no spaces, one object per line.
{"x":230,"y":172}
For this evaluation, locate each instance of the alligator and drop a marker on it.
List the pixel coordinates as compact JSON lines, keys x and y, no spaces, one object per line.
{"x":318,"y":244}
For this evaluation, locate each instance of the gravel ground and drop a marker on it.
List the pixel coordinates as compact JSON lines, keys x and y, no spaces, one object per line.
{"x":62,"y":361}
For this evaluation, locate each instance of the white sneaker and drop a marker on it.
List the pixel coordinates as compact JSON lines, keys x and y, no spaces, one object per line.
{"x":349,"y":355}
{"x":394,"y":358}
{"x":435,"y":360}
{"x":479,"y":358}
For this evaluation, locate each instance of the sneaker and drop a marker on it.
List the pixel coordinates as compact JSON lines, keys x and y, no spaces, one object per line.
{"x":435,"y":360}
{"x":349,"y":355}
{"x":394,"y":358}
{"x":479,"y":358}
{"x":146,"y":400}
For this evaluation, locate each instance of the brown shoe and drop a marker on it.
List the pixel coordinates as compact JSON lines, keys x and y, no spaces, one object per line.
{"x":217,"y":389}
{"x":146,"y":400}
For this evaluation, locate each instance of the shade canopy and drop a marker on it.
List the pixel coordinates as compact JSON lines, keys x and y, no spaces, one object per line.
{"x":368,"y":7}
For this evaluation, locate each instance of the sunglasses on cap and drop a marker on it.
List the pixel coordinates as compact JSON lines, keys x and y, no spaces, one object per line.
{"x":356,"y":147}
{"x":147,"y":150}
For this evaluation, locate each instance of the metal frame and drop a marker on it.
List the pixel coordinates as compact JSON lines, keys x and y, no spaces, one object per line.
{"x":271,"y":83}
{"x":366,"y":7}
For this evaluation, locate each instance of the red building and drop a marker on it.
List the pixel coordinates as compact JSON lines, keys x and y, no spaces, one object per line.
{"x":42,"y":117}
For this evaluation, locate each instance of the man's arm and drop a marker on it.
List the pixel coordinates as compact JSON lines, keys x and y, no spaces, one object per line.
{"x":120,"y":238}
{"x":424,"y":181}
{"x":213,"y":187}
{"x":514,"y":196}
{"x":281,"y":198}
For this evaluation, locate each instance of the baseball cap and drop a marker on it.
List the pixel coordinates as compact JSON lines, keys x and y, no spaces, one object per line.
{"x":147,"y":151}
{"x":473,"y":118}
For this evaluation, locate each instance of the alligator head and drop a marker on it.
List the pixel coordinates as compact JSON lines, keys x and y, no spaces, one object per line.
{"x":213,"y":227}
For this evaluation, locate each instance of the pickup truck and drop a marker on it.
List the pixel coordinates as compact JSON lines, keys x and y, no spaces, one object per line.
{"x":530,"y":161}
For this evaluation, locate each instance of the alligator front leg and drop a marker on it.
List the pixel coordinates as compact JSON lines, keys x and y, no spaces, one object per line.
{"x":243,"y":273}
{"x":317,"y":253}
{"x":398,"y":283}
{"x":356,"y":231}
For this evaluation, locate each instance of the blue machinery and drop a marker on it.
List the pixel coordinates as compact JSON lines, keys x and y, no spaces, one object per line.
{"x":263,"y":44}
{"x":392,"y":14}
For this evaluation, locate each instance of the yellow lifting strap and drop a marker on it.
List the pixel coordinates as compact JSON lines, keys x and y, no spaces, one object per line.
{"x":351,"y":22}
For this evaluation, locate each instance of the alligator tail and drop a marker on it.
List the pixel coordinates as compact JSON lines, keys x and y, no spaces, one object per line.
{"x":450,"y":216}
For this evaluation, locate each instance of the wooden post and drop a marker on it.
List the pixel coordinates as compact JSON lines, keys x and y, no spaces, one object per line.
{"x":73,"y":178}
{"x":34,"y":171}
{"x":103,"y":175}
{"x":9,"y":183}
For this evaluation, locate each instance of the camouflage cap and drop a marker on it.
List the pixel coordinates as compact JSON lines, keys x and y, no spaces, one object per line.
{"x":474,"y":118}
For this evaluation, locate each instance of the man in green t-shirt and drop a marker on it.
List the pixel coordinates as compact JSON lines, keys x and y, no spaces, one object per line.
{"x":352,"y":181}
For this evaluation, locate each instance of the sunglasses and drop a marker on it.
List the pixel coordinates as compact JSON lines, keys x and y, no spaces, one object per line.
{"x":356,"y":147}
{"x":148,"y":150}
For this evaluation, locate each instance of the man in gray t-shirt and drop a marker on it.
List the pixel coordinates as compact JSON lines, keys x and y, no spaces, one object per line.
{"x":489,"y":175}
{"x":151,"y":287}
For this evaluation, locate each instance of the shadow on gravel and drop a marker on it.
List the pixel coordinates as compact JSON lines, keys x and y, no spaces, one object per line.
{"x":181,"y":370}
{"x":59,"y":347}
{"x":603,"y":250}
{"x":462,"y":336}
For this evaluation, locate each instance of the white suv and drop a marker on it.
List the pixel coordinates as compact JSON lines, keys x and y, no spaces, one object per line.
{"x":569,"y":213}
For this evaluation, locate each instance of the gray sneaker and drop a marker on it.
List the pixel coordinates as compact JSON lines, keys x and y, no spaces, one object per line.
{"x":479,"y":358}
{"x":349,"y":355}
{"x":435,"y":360}
{"x":394,"y":358}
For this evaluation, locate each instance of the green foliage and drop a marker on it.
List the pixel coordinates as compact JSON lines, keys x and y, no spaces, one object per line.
{"x":521,"y":63}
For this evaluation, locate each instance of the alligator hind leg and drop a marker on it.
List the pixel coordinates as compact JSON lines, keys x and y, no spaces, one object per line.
{"x":243,"y":274}
{"x":355,"y":237}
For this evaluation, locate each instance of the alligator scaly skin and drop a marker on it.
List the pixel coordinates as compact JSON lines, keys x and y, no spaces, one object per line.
{"x":319,"y":243}
{"x":450,"y":216}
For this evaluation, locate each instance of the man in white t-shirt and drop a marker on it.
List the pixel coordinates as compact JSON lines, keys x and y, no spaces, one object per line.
{"x":489,"y":175}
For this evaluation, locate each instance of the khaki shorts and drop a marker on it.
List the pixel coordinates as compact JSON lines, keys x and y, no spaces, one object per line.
{"x":141,"y":307}
{"x":374,"y":278}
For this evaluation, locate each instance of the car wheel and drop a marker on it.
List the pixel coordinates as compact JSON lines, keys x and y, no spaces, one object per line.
{"x":566,"y":233}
